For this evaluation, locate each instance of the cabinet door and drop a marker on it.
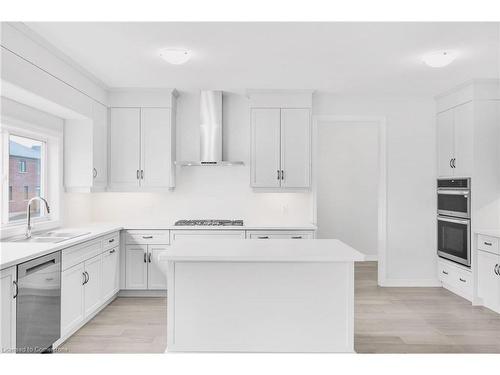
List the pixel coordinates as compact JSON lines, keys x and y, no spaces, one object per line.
{"x":156,"y":146}
{"x":488,"y":283}
{"x":100,"y":145}
{"x":136,"y":268}
{"x":157,"y":269}
{"x":295,"y":148}
{"x":8,"y":277}
{"x":92,"y":290}
{"x":110,"y":273}
{"x":124,"y":148}
{"x":265,"y":153}
{"x":463,"y":135}
{"x":72,"y":303}
{"x":445,"y":140}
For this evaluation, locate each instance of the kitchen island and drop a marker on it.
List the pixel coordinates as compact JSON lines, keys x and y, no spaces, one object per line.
{"x":261,"y":296}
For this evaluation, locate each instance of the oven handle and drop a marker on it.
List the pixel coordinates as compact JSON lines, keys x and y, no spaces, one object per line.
{"x":453,"y":192}
{"x":452,"y":220}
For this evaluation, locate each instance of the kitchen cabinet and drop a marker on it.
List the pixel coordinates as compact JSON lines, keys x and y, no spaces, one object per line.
{"x":455,"y":141}
{"x":488,"y":279}
{"x":143,"y":268}
{"x":157,"y":269}
{"x":92,"y":286}
{"x":86,"y":152}
{"x":72,"y":298}
{"x":455,"y":278}
{"x":280,"y":148}
{"x":279,"y":234}
{"x":110,"y":273}
{"x":136,"y":267}
{"x":8,"y":289}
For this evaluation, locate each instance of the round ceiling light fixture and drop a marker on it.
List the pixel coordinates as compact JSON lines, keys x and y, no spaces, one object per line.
{"x":175,"y":56}
{"x":438,"y":59}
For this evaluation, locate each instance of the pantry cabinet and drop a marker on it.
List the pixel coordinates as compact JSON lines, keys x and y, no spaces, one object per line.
{"x":8,"y":294}
{"x":280,"y":148}
{"x":455,"y":141}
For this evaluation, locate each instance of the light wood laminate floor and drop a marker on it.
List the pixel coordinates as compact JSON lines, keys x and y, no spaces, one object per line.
{"x":387,"y":320}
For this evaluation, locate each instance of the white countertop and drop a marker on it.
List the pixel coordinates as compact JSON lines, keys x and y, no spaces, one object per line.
{"x":12,"y":253}
{"x":288,"y":250}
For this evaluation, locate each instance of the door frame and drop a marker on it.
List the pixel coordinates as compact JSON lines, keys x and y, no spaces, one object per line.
{"x":380,"y":122}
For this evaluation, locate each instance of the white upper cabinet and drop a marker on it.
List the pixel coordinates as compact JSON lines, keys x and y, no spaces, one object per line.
{"x":125,"y":148}
{"x":86,"y":151}
{"x":295,"y":148}
{"x":266,"y":153}
{"x":142,"y":141}
{"x":445,"y":138}
{"x":156,"y":136}
{"x":280,"y":139}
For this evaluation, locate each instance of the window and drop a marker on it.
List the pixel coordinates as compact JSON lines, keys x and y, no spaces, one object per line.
{"x":26,"y":171}
{"x":22,"y":166}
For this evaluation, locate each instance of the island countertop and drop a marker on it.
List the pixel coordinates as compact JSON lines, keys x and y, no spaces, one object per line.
{"x":279,"y":250}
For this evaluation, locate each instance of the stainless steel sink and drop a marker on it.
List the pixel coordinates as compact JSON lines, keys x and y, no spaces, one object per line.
{"x":51,"y":237}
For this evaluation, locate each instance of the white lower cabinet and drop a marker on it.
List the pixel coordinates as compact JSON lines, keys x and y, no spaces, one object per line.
{"x":8,"y":290}
{"x":455,"y":278}
{"x":279,"y":234}
{"x":488,"y":279}
{"x":136,"y":267}
{"x":207,"y":234}
{"x":157,"y":269}
{"x":72,"y":298}
{"x":80,"y":293}
{"x":110,"y":273}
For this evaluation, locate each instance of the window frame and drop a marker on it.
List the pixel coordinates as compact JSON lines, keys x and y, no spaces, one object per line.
{"x":39,"y":136}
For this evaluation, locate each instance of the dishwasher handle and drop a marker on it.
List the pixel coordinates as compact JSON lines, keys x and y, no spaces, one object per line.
{"x":38,"y":264}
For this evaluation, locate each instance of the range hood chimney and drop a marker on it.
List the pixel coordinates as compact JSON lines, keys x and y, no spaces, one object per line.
{"x":210,"y":132}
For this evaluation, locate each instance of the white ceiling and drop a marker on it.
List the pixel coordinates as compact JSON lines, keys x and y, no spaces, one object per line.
{"x":351,"y":58}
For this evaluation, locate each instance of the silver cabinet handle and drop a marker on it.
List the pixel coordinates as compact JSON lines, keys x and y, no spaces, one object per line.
{"x":112,"y":251}
{"x":145,"y":260}
{"x":263,"y":237}
{"x":487,"y":243}
{"x":454,"y":163}
{"x":147,"y":237}
{"x":296,"y":237}
{"x":17,"y":289}
{"x":496,"y":270}
{"x":142,"y":174}
{"x":149,"y":258}
{"x":446,"y":273}
{"x":137,"y":174}
{"x":85,"y":277}
{"x":278,"y":174}
{"x":282,"y":174}
{"x":451,"y":163}
{"x":111,"y":240}
{"x":94,"y":173}
{"x":462,"y":280}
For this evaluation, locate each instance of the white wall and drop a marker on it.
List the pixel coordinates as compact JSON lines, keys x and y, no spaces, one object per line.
{"x":411,"y":180}
{"x":208,"y":192}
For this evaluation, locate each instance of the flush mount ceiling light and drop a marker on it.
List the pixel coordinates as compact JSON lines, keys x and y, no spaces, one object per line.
{"x":438,"y":59}
{"x":175,"y":56}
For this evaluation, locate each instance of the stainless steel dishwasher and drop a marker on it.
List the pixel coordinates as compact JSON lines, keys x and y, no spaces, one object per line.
{"x":39,"y":304}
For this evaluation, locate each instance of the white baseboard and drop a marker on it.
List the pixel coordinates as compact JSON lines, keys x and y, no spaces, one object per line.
{"x":142,"y":293}
{"x":410,"y":283}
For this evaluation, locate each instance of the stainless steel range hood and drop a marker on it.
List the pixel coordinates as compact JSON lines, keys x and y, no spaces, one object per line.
{"x":210,"y":132}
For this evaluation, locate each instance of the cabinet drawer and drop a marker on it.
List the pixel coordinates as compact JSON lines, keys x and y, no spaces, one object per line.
{"x":296,"y":235}
{"x":207,"y":234}
{"x":136,"y":237}
{"x":80,"y":253}
{"x":487,"y":243}
{"x":443,"y":272}
{"x":110,"y":241}
{"x":464,"y":283}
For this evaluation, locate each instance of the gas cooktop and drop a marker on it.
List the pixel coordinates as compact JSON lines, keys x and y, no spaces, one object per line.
{"x":205,"y":222}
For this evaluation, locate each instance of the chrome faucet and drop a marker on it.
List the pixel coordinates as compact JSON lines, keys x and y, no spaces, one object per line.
{"x":28,"y":213}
